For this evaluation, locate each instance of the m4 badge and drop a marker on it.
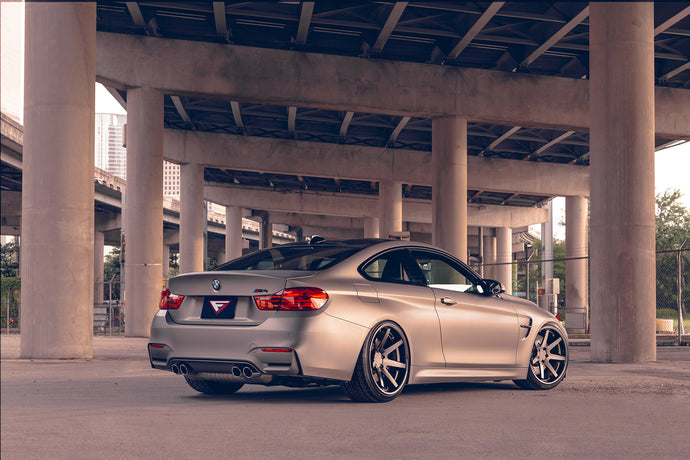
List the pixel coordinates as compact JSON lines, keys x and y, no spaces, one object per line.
{"x":219,"y":305}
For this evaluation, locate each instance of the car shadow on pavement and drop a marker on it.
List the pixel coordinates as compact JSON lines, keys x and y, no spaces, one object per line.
{"x":335,"y":393}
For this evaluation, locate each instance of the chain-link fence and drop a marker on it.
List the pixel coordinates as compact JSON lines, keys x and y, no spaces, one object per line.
{"x":672,"y":294}
{"x":10,"y":300}
{"x":108,"y":318}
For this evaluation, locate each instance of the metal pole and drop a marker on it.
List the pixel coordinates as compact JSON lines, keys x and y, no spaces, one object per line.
{"x":110,"y":307}
{"x":527,"y":280}
{"x":681,"y":328}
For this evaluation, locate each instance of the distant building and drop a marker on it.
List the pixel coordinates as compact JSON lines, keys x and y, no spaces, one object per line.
{"x":171,"y":180}
{"x":110,"y":154}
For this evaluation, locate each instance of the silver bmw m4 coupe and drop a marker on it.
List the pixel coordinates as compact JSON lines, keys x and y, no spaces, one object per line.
{"x":371,"y":315}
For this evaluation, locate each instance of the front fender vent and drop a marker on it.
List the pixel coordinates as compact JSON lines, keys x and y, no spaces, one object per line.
{"x":525,"y":326}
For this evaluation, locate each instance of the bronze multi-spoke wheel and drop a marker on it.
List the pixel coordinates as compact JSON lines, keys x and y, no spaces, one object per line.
{"x":548,"y":361}
{"x":383,"y":366}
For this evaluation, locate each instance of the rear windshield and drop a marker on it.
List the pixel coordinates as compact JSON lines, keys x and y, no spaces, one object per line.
{"x":306,"y":258}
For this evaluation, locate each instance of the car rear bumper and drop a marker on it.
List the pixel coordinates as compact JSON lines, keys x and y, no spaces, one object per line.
{"x":319,"y":346}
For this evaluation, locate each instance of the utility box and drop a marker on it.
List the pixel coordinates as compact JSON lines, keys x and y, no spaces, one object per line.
{"x":553,"y":286}
{"x":548,"y":295}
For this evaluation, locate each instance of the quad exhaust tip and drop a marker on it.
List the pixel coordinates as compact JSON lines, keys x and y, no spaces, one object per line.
{"x":245,"y":372}
{"x":239,"y":372}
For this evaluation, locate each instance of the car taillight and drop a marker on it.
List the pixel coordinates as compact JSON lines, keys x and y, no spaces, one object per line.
{"x":293,"y":299}
{"x":170,"y":301}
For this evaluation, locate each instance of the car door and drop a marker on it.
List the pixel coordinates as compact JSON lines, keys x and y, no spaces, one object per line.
{"x":477,"y":330}
{"x":404,"y":297}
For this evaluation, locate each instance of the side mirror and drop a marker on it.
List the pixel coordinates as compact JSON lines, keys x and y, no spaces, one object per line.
{"x":493,"y":287}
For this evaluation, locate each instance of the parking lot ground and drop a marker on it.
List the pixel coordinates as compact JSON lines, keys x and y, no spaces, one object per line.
{"x":116,"y":406}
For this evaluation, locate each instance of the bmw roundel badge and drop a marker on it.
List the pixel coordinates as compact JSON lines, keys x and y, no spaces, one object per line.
{"x":215,"y":284}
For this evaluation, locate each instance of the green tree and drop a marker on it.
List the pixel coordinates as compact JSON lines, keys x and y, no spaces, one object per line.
{"x":672,"y":230}
{"x":173,"y":264}
{"x":672,"y":220}
{"x":9,"y":263}
{"x":111,"y":271}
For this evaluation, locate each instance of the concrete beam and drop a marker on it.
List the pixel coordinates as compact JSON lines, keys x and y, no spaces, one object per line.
{"x":316,"y":220}
{"x":11,"y":203}
{"x":295,"y":78}
{"x":367,"y":163}
{"x":334,"y":233}
{"x":351,"y":205}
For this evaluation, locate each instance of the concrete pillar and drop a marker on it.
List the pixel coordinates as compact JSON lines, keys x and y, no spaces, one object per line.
{"x":547,"y":246}
{"x":266,"y":231}
{"x":98,"y":266}
{"x":166,"y":261}
{"x":390,"y":207}
{"x":233,"y":232}
{"x":489,"y":254}
{"x":371,"y":227}
{"x":623,"y":274}
{"x":143,"y":209}
{"x":191,"y":218}
{"x":298,"y":231}
{"x":576,"y":285}
{"x":449,"y":185}
{"x":57,"y":199}
{"x":504,"y":257}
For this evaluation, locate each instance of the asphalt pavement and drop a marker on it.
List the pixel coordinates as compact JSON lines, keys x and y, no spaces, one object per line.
{"x":116,"y":406}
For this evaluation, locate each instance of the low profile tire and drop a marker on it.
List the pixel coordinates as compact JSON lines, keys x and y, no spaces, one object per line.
{"x":548,"y":361}
{"x":383,"y":366}
{"x":213,"y":387}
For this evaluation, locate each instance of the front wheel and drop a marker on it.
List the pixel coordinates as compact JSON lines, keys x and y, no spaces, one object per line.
{"x":548,"y":361}
{"x":383,"y":366}
{"x":213,"y":387}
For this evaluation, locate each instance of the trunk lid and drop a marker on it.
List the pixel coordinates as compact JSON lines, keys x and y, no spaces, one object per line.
{"x":226,"y":298}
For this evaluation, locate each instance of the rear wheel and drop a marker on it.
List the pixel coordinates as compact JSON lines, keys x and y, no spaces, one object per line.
{"x":548,"y":361}
{"x":383,"y":366}
{"x":213,"y":387}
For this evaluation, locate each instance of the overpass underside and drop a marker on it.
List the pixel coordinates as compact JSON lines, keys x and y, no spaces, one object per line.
{"x":438,"y":180}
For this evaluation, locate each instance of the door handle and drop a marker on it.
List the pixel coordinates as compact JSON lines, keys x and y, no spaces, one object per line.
{"x":448,"y":301}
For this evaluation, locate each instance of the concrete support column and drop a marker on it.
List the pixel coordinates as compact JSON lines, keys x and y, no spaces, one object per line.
{"x":547,"y":246}
{"x":57,"y":240}
{"x":622,"y":182}
{"x":390,"y":207}
{"x":98,"y":266}
{"x":576,"y":286}
{"x":233,"y":232}
{"x":371,"y":227}
{"x":298,"y":231}
{"x":489,"y":254}
{"x":504,"y":257}
{"x":449,"y":185}
{"x":266,"y":231}
{"x":166,"y":261}
{"x":191,"y":218}
{"x":143,"y":209}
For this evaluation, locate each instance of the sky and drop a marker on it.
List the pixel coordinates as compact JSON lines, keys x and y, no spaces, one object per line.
{"x":672,"y":165}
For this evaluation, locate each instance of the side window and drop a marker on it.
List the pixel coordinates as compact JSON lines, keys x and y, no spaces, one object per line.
{"x":445,"y":273}
{"x":392,"y":267}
